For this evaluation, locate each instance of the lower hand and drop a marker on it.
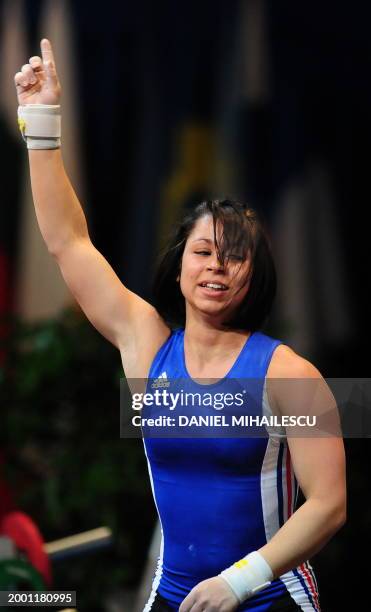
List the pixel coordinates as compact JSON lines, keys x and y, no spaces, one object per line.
{"x":211,"y":595}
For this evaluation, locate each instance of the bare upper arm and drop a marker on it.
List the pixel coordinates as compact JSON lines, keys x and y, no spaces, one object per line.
{"x":295,"y":387}
{"x":120,"y":315}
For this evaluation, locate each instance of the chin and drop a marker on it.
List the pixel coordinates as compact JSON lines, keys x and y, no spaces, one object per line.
{"x":210,"y":309}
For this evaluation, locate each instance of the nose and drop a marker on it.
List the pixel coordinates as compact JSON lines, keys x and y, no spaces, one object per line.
{"x":215,"y":265}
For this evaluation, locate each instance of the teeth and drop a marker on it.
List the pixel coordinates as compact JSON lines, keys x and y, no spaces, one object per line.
{"x":213,"y":286}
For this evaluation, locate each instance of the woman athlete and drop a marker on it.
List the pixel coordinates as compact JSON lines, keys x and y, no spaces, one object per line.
{"x":232,"y":539}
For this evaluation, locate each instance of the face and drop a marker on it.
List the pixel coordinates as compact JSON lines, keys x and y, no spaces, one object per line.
{"x":209,"y":287}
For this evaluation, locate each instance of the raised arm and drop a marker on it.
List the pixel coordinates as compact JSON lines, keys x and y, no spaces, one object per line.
{"x":119,"y":314}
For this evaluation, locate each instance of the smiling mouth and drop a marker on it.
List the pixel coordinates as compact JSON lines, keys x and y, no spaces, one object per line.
{"x":214,"y":286}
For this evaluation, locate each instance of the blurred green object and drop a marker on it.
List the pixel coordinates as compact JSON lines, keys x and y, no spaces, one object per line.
{"x":18,"y":575}
{"x":68,"y":467}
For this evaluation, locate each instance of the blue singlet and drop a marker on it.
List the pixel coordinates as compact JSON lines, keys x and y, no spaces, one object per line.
{"x":220,"y":498}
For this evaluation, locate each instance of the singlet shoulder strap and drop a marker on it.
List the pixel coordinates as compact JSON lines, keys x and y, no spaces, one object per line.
{"x":168,"y":356}
{"x":254,"y":359}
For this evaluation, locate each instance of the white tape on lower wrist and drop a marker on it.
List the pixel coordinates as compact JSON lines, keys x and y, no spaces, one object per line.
{"x":40,"y":125}
{"x":248,"y":576}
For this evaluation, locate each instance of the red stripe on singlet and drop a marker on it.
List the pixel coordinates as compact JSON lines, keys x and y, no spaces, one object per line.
{"x":311,"y":584}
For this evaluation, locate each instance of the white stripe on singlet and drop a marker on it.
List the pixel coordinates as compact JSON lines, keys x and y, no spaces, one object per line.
{"x":270,"y":505}
{"x":158,"y":573}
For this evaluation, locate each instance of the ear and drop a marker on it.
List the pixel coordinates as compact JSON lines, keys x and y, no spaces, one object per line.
{"x":178,"y":278}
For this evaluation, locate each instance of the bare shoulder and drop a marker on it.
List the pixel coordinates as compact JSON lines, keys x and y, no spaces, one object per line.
{"x":285,"y":363}
{"x":138,"y":349}
{"x":303,"y":390}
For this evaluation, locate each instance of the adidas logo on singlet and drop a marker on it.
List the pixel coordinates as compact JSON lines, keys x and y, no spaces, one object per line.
{"x":161,"y":382}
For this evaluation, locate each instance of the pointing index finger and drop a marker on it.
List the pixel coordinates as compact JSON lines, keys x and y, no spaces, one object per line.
{"x":46,"y":51}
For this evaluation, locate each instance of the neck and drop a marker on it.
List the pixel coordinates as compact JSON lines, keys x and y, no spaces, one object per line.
{"x":206,"y":340}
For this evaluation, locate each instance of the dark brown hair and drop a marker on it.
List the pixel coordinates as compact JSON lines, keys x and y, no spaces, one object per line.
{"x":242,"y":235}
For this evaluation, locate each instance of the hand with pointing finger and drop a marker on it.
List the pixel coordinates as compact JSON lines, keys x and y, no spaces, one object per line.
{"x":37,"y":82}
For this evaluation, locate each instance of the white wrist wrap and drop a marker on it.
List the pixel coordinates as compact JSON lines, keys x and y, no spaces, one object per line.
{"x":248,"y":576}
{"x":40,"y":125}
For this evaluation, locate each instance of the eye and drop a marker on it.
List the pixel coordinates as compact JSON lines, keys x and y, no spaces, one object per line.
{"x":202,"y":252}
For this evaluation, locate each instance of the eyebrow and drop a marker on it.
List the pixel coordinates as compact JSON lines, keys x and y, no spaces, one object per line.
{"x":205,"y":239}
